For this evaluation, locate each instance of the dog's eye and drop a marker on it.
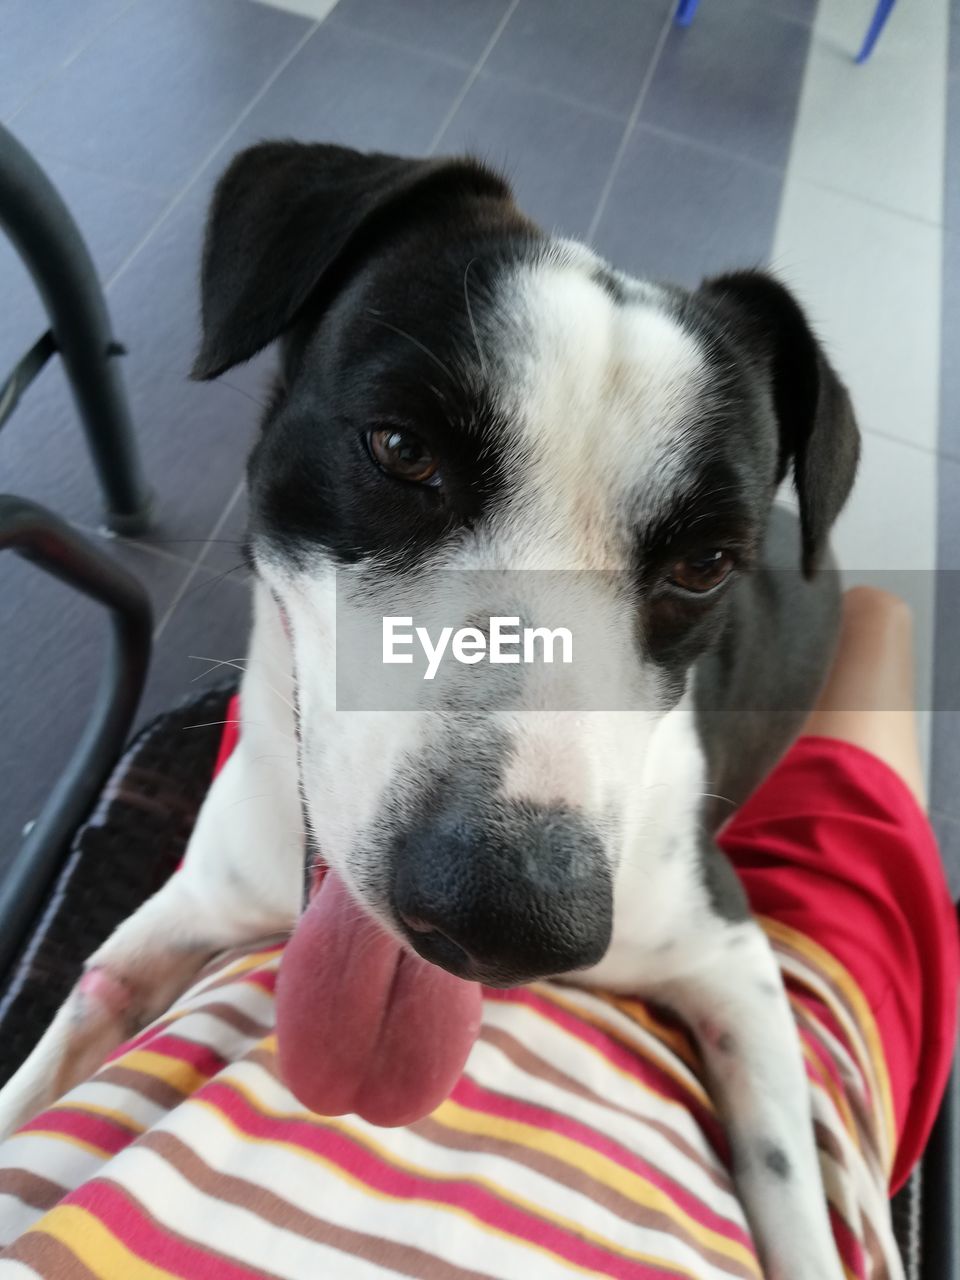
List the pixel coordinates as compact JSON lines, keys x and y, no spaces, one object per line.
{"x":402,"y":454}
{"x":701,"y":573}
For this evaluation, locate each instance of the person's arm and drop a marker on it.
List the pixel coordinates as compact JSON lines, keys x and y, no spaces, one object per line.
{"x":868,"y":698}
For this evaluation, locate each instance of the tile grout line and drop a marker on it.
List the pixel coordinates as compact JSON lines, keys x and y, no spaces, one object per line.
{"x":71,"y":57}
{"x":200,"y":169}
{"x":780,"y":171}
{"x":538,"y":91}
{"x":391,"y":42}
{"x":629,"y":128}
{"x":931,"y":451}
{"x":196,"y":567}
{"x":868,"y":201}
{"x":712,"y":148}
{"x":471,"y":78}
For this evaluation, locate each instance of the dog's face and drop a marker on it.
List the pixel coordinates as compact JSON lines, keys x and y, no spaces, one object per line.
{"x":477,"y":417}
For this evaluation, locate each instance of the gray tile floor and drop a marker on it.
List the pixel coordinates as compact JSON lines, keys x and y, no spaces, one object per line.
{"x":613,"y":124}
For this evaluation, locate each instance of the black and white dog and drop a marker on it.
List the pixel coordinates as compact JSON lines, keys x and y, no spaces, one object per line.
{"x":460,"y":391}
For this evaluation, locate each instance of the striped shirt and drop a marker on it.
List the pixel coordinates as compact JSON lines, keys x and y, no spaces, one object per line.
{"x":580,"y":1141}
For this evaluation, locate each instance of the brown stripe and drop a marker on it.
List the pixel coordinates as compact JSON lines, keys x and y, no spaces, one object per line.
{"x":829,"y":1144}
{"x":854,"y":1092}
{"x":878,"y":1269}
{"x":31,"y":1188}
{"x":48,"y":1257}
{"x":141,"y":1082}
{"x":236,"y":1019}
{"x":265,"y":1058}
{"x":281,"y":1213}
{"x":579,"y":1181}
{"x":522,"y":1057}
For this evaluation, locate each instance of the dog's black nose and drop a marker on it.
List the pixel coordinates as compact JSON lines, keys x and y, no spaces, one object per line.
{"x":505,"y":896}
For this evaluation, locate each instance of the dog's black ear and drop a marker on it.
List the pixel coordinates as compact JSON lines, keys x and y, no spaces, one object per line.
{"x":818,"y":431}
{"x":284,"y":219}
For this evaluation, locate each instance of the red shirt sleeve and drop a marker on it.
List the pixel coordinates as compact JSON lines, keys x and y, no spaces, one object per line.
{"x":834,"y":845}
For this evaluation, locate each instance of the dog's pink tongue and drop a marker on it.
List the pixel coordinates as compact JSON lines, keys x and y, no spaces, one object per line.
{"x":364,"y":1025}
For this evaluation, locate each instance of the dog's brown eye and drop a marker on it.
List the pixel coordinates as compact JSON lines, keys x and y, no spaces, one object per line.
{"x":702,"y":572}
{"x":402,"y":454}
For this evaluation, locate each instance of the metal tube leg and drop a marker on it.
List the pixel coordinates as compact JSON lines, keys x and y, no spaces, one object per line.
{"x":54,"y":546}
{"x":49,"y":242}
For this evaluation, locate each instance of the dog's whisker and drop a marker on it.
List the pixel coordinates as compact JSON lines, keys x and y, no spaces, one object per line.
{"x":216,"y":663}
{"x":402,"y":333}
{"x":210,"y":724}
{"x":473,"y":323}
{"x":214,"y":581}
{"x":264,"y":795}
{"x":712,"y":795}
{"x":243,"y":664}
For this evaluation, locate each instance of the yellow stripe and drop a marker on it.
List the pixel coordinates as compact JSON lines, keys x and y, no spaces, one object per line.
{"x":601,"y":1168}
{"x":95,"y":1246}
{"x":676,"y":1040}
{"x":243,"y":965}
{"x":874,"y":1061}
{"x":534,"y":1210}
{"x":175,"y":1072}
{"x":70,"y":1139}
{"x":692,"y":1087}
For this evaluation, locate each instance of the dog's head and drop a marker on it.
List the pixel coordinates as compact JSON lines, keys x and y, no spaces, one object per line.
{"x":461,"y":392}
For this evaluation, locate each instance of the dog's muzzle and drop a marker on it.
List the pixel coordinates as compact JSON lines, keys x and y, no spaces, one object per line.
{"x":504,"y":897}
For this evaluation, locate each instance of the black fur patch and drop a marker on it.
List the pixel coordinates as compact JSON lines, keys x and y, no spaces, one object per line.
{"x":775,"y":1160}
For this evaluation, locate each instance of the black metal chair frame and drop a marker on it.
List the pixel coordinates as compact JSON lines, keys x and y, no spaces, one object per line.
{"x":41,"y":228}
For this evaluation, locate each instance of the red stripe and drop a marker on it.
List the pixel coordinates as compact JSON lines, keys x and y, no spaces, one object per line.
{"x":475,"y":1098}
{"x":265,"y":979}
{"x":231,"y":733}
{"x":199,"y":1056}
{"x":122,"y":1215}
{"x":821,"y":1012}
{"x":99,"y":1131}
{"x":850,"y":1249}
{"x":826,"y":1062}
{"x":135,"y":1042}
{"x":457,"y":1192}
{"x":629,"y":1059}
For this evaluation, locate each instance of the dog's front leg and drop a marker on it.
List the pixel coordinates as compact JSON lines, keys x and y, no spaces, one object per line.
{"x":733,"y":1000}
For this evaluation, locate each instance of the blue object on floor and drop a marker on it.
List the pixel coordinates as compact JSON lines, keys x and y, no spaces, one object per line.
{"x":877,"y":23}
{"x":687,"y":8}
{"x":685,"y":11}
